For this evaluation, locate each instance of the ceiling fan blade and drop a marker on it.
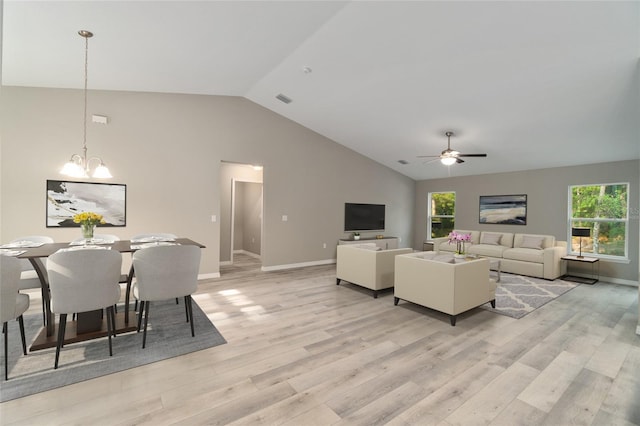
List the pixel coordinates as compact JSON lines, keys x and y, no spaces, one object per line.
{"x":428,"y":156}
{"x":459,"y":160}
{"x":472,"y":155}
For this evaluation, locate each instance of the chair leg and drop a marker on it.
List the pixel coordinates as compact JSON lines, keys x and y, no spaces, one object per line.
{"x":109,"y":327}
{"x":186,"y":308}
{"x":140,"y":313}
{"x":188,"y":301}
{"x":61,"y":329}
{"x":24,"y":342}
{"x":177,"y":303}
{"x":5,"y":331}
{"x":146,"y":320}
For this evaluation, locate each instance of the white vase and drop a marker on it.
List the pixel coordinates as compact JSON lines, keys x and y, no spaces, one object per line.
{"x":356,"y":237}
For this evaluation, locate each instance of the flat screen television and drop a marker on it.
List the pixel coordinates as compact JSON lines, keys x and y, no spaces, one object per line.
{"x":363,"y":217}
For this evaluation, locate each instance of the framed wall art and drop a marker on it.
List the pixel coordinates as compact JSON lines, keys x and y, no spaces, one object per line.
{"x":65,"y":199}
{"x":503,"y":209}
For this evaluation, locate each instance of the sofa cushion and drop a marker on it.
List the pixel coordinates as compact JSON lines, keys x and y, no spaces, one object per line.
{"x":531,"y":242}
{"x":487,"y":250}
{"x":524,"y":254}
{"x":490,"y":238}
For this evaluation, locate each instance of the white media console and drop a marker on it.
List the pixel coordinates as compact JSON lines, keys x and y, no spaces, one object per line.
{"x":385,"y":243}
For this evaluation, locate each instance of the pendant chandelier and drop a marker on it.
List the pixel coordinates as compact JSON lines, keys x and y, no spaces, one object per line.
{"x":79,"y":165}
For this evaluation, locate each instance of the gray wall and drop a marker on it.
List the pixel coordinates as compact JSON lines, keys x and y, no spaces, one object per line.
{"x":547,"y":203}
{"x":168,"y":148}
{"x":251,"y":216}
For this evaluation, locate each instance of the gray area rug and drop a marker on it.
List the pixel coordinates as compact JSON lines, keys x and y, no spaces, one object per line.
{"x":517,"y":295}
{"x":168,"y":335}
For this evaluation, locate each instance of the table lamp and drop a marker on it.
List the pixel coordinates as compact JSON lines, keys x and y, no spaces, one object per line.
{"x":580,"y":232}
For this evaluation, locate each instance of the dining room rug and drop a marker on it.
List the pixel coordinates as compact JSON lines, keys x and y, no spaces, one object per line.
{"x":518,"y":295}
{"x":168,"y":336}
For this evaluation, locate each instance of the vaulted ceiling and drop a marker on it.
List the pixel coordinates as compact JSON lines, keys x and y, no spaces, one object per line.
{"x":532,"y":84}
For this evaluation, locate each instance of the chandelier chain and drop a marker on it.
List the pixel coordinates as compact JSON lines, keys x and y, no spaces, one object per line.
{"x":86,"y":73}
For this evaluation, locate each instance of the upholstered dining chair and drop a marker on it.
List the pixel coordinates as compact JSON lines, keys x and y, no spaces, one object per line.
{"x":159,"y":235}
{"x":12,"y":303}
{"x":28,"y":276}
{"x":84,"y":280}
{"x":165,"y":272}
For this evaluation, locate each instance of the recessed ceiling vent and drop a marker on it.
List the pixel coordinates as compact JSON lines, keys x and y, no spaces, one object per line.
{"x":403,"y":162}
{"x":283,"y":98}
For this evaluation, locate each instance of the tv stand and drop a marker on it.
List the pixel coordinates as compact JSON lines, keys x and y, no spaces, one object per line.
{"x":385,"y":243}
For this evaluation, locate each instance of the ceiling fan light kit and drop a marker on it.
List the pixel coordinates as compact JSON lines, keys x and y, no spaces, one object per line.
{"x":450,"y":156}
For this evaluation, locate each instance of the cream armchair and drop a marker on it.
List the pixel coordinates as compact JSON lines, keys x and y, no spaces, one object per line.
{"x":443,"y":283}
{"x":364,"y":265}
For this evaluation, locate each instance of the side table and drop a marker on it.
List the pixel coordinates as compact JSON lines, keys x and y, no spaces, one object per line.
{"x":584,"y":259}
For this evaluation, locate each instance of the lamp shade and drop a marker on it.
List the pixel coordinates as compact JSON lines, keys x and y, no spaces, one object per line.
{"x":580,"y":232}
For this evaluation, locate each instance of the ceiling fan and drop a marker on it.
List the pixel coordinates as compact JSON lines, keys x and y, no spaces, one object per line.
{"x":450,"y":156}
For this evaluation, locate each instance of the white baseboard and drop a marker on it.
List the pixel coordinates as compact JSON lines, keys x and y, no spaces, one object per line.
{"x":609,"y":279}
{"x":298,"y":265}
{"x":209,"y":276}
{"x":248,"y":253}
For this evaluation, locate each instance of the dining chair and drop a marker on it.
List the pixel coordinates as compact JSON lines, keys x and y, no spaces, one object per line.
{"x":165,"y":272}
{"x":12,"y":303}
{"x":28,"y":277}
{"x":163,"y":235}
{"x":81,"y":281}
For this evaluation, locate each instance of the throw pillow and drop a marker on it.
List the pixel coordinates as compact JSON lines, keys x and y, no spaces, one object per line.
{"x":532,"y":242}
{"x":492,"y":239}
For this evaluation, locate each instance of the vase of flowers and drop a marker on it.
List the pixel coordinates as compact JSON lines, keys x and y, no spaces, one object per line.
{"x":88,"y":222}
{"x":459,"y":239}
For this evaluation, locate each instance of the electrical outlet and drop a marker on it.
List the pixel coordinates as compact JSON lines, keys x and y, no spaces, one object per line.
{"x":285,"y":218}
{"x":214,"y":218}
{"x":324,"y":245}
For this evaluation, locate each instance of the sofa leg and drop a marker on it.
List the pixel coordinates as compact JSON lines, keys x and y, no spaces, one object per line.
{"x":337,"y":281}
{"x":396,"y":300}
{"x":375,"y":294}
{"x":493,"y":303}
{"x":452,"y":318}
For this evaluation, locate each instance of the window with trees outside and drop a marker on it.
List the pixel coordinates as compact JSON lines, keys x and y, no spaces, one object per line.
{"x":441,"y":211}
{"x":604,"y":210}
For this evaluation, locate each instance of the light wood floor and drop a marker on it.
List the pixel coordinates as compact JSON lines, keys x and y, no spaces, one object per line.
{"x":303,"y":351}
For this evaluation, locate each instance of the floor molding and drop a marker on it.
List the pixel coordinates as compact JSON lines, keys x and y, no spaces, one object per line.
{"x":298,"y":265}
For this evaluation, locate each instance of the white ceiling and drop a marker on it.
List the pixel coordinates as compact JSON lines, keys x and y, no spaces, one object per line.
{"x":532,"y":84}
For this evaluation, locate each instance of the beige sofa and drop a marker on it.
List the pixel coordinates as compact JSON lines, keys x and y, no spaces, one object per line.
{"x":523,"y":254}
{"x":440,"y":282}
{"x":367,"y":266}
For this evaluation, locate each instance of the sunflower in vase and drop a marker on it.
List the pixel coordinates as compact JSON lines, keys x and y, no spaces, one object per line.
{"x":88,"y":222}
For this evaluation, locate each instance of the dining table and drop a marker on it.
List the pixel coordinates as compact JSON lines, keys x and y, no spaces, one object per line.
{"x":88,"y":325}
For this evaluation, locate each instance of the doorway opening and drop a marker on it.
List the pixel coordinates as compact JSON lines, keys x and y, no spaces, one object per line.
{"x":241,"y":215}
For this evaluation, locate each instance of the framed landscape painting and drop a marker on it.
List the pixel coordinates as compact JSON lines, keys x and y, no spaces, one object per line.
{"x":503,"y":209}
{"x":65,"y":199}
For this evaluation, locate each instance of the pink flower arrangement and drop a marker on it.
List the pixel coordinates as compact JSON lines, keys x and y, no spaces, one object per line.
{"x":459,"y":239}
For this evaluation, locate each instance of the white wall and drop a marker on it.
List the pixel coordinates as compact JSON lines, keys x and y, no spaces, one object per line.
{"x":168,"y":148}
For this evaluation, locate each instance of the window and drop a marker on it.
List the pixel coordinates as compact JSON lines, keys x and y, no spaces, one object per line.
{"x":441,"y":210}
{"x":604,"y":210}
